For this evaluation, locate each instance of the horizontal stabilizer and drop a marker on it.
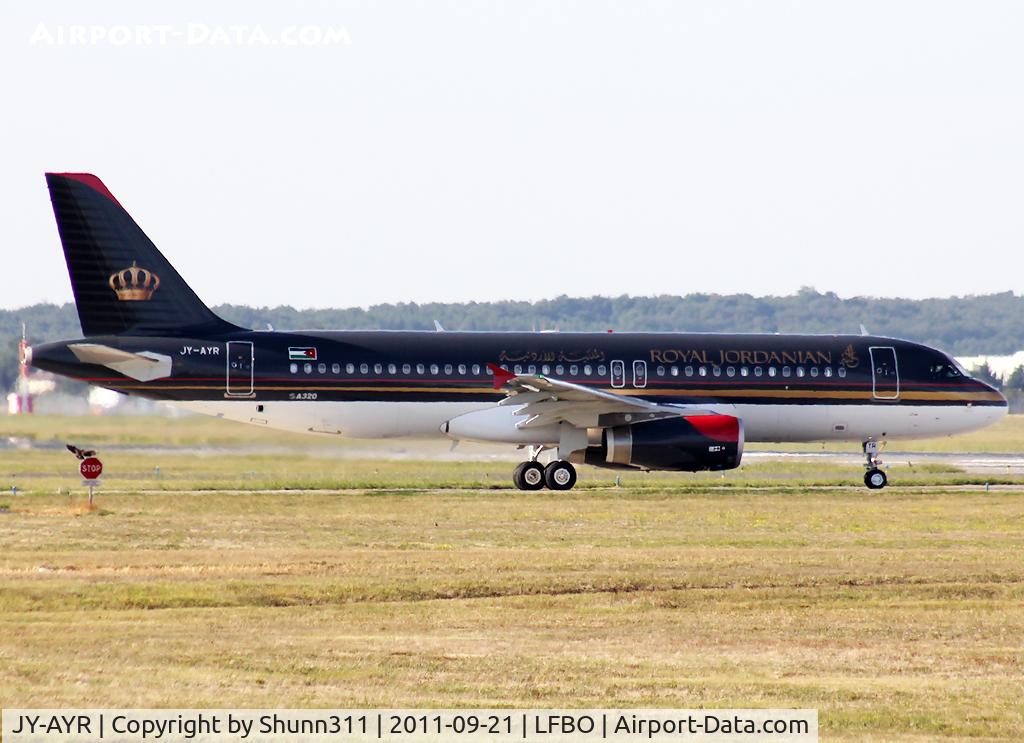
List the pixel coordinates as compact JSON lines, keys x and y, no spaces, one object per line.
{"x":144,"y":366}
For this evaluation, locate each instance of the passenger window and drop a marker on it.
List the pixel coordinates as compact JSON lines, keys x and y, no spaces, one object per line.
{"x":350,"y":368}
{"x":744,"y":371}
{"x":601,"y":370}
{"x":448,"y":369}
{"x":786,"y":371}
{"x":772,"y":371}
{"x":716,"y":370}
{"x":814,"y":371}
{"x":308,"y":368}
{"x":406,"y":369}
{"x":531,"y":369}
{"x":462,"y":369}
{"x":476,"y":369}
{"x":322,"y":368}
{"x":392,"y":369}
{"x":702,"y":371}
{"x":420,"y":369}
{"x":335,"y":368}
{"x":842,"y":371}
{"x":800,"y":371}
{"x":828,"y":371}
{"x":364,"y":369}
{"x":574,"y":370}
{"x":517,"y":369}
{"x":675,"y":371}
{"x":293,"y":368}
{"x":587,"y":369}
{"x":730,"y":371}
{"x":758,"y":371}
{"x":435,"y":369}
{"x":689,"y":371}
{"x":378,"y":368}
{"x":559,"y":370}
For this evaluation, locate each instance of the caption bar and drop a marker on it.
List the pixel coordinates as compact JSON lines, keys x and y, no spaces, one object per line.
{"x":411,"y":725}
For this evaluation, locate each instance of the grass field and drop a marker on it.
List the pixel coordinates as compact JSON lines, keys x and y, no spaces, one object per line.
{"x":242,"y":577}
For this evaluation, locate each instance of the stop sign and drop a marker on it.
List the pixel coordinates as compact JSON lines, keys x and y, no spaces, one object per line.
{"x":91,"y":468}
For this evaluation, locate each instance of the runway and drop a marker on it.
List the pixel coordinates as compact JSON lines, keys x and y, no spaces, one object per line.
{"x":971,"y":462}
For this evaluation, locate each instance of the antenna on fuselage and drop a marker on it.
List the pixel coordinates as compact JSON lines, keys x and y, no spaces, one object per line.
{"x":863,"y":330}
{"x":438,"y":327}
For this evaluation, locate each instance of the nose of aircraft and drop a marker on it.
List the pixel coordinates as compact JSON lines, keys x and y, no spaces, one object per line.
{"x":993,"y":412}
{"x":1005,"y":403}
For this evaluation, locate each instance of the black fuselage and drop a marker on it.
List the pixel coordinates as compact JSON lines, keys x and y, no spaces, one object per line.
{"x":443,"y":366}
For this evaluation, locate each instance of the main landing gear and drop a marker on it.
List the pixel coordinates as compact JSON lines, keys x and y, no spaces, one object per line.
{"x":532,"y":475}
{"x":874,"y":478}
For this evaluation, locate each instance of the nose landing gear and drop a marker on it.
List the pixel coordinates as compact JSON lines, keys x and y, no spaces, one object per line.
{"x":874,"y":478}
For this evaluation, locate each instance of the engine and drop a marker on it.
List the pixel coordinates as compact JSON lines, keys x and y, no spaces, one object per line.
{"x":688,"y":444}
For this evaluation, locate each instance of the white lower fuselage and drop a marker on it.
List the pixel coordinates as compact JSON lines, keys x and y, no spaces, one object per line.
{"x":762,"y":422}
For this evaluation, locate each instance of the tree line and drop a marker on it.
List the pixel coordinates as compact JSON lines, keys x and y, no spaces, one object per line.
{"x":990,"y":324}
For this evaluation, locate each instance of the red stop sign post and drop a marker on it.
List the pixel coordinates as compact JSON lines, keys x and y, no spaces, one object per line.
{"x":91,"y":468}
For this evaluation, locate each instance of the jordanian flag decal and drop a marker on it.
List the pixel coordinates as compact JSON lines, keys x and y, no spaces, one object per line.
{"x":302,"y":354}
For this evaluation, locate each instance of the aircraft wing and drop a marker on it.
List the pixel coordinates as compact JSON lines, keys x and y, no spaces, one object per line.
{"x":546,"y":400}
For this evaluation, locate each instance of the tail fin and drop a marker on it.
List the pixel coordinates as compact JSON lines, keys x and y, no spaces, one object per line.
{"x":122,"y":283}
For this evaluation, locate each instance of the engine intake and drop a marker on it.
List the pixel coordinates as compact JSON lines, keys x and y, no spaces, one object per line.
{"x":686,"y":444}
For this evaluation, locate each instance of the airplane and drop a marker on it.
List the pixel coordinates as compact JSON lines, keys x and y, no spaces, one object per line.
{"x":648,"y":401}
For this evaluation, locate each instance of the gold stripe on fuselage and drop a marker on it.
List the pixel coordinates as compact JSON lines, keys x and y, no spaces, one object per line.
{"x":922,"y":395}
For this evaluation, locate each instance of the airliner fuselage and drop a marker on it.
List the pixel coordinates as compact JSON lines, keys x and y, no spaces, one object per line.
{"x":670,"y":401}
{"x":391,"y":384}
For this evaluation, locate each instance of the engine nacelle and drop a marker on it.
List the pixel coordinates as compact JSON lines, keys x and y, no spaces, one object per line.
{"x":686,"y":444}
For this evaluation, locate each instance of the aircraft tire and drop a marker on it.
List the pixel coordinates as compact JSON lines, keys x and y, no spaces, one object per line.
{"x":528,"y":476}
{"x":560,"y":475}
{"x":875,"y":479}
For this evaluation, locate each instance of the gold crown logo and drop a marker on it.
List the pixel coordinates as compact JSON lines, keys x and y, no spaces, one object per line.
{"x":134,"y":284}
{"x":849,"y":359}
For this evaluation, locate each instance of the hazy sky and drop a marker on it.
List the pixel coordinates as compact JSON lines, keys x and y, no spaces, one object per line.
{"x":483,"y":150}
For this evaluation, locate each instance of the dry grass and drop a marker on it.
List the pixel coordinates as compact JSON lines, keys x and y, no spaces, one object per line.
{"x":1007,"y":436}
{"x":898,"y":615}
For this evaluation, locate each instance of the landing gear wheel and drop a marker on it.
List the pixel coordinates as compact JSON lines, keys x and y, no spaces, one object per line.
{"x":528,"y":476}
{"x":875,"y":479}
{"x":560,"y":475}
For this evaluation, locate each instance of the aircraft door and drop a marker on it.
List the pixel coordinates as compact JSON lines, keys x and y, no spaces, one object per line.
{"x":618,"y":374}
{"x":639,"y":373}
{"x":240,"y":363}
{"x":885,"y":375}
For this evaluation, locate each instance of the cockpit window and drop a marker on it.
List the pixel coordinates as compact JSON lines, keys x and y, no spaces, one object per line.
{"x":944,"y":371}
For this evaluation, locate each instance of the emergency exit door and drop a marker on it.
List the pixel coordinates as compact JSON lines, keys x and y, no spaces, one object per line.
{"x":618,"y":374}
{"x":240,"y":362}
{"x":639,"y":374}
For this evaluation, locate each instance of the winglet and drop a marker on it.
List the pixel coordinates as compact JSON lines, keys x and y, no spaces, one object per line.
{"x":500,"y":375}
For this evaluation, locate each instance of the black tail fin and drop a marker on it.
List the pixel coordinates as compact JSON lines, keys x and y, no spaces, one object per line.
{"x":122,"y":283}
